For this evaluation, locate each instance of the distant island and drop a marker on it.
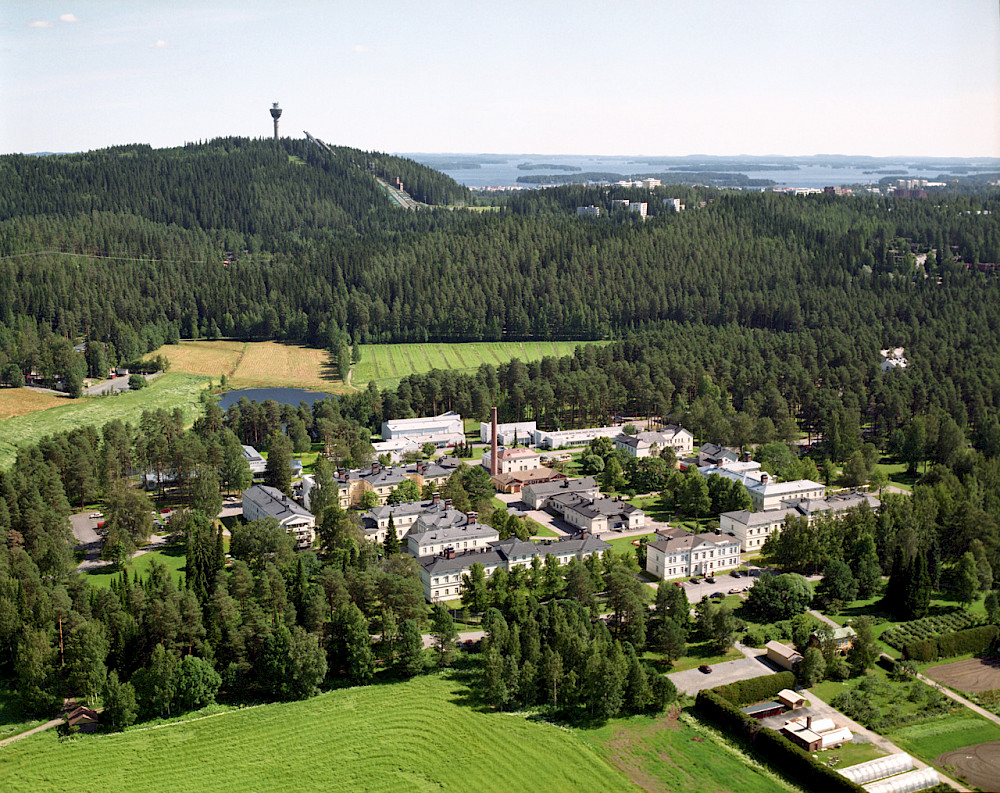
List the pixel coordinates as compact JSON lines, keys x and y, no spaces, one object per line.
{"x":531,"y":166}
{"x":713,"y":178}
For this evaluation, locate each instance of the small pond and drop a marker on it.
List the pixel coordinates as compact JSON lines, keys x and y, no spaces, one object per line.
{"x":283,"y":396}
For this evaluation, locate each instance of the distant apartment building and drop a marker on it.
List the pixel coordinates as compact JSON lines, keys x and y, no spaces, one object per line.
{"x":517,"y":458}
{"x":538,"y":496}
{"x":753,"y":528}
{"x":380,"y":479}
{"x":597,"y":515}
{"x":650,"y":444}
{"x":560,"y":438}
{"x":674,"y":204}
{"x":446,"y":423}
{"x":375,"y":522}
{"x":764,"y":492}
{"x":650,"y":183}
{"x":589,"y":211}
{"x":639,"y":207}
{"x":441,"y":574}
{"x":511,"y":434}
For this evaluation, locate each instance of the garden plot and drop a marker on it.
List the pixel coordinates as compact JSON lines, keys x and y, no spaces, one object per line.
{"x":973,"y":675}
{"x":929,"y":627}
{"x":978,"y":765}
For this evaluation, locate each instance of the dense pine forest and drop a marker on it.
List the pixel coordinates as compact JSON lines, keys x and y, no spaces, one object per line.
{"x":748,"y":319}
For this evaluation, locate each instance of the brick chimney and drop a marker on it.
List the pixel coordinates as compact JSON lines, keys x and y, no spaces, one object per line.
{"x":471,"y":517}
{"x":449,"y":553}
{"x":435,"y":498}
{"x":809,"y":722}
{"x":375,"y":468}
{"x":494,"y":467}
{"x":763,"y":478}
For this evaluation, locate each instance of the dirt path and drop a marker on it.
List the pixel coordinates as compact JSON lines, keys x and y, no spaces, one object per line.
{"x":47,"y":726}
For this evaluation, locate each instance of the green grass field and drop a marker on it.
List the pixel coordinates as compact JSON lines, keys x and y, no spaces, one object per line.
{"x":386,"y":364}
{"x":169,"y":391}
{"x":943,"y":734}
{"x":680,"y":755}
{"x":414,"y":736}
{"x":172,"y":556}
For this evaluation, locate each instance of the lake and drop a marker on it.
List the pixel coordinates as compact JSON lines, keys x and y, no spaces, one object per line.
{"x":482,"y":170}
{"x":283,"y":396}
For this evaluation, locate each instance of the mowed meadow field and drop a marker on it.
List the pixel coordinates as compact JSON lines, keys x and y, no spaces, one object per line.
{"x":413,"y":736}
{"x":420,"y":735}
{"x":168,"y":391}
{"x":273,"y":364}
{"x":387,"y":364}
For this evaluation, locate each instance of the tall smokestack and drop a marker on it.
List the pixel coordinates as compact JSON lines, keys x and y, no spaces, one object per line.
{"x":494,"y":468}
{"x":275,"y":114}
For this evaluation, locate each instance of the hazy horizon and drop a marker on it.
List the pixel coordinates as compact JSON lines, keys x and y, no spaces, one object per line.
{"x":717,"y":76}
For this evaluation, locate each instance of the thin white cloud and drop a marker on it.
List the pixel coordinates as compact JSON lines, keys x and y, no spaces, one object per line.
{"x":40,"y":23}
{"x":159,"y":44}
{"x":69,"y":18}
{"x":360,"y":48}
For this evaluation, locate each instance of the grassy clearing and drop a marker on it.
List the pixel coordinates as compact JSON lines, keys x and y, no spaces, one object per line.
{"x":208,"y":358}
{"x":698,"y":653}
{"x":386,"y":364}
{"x":680,"y":754}
{"x":21,"y":401}
{"x":169,"y":391}
{"x":172,"y":556}
{"x":415,"y":736}
{"x":898,"y":475}
{"x":851,"y":754}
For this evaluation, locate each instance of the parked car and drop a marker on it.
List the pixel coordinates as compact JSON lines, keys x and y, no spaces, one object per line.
{"x":695,"y":580}
{"x":735,"y":573}
{"x":705,"y":669}
{"x":717,"y":595}
{"x":96,"y":515}
{"x":710,"y":579}
{"x":735,"y":590}
{"x":678,"y":584}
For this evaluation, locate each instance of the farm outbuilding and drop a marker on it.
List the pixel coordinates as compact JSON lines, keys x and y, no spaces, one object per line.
{"x":764,"y":710}
{"x":791,"y":699}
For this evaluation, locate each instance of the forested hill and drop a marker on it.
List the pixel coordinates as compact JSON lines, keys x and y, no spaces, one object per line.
{"x":252,"y":187}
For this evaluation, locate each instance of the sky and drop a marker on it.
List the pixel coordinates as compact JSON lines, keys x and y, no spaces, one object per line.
{"x":665,"y":77}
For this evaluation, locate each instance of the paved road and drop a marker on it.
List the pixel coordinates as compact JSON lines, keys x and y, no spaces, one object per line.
{"x":113,"y":386}
{"x":753,"y":664}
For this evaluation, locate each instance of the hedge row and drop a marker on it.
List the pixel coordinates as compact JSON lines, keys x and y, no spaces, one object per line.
{"x":757,"y":689}
{"x":772,"y":746}
{"x":971,"y":640}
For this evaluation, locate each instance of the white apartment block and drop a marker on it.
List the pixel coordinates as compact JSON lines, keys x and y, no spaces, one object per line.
{"x":752,"y":528}
{"x":510,"y":434}
{"x":446,"y":423}
{"x":764,"y":492}
{"x":678,"y":554}
{"x":591,"y":211}
{"x":511,"y":460}
{"x":261,"y":501}
{"x":561,"y":438}
{"x":649,"y":444}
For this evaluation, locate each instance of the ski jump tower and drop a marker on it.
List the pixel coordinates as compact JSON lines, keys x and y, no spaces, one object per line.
{"x":275,"y":114}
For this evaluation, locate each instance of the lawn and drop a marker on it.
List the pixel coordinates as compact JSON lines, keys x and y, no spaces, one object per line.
{"x":897,"y":474}
{"x":172,"y":556}
{"x":851,"y":754}
{"x":624,"y":544}
{"x":386,"y":364}
{"x":669,"y":754}
{"x":416,"y":736}
{"x":169,"y":391}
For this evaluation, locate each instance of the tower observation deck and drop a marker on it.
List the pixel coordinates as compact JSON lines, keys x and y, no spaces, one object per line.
{"x":275,"y":114}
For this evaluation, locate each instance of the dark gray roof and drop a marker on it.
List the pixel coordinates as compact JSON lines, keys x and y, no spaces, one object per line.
{"x":275,"y":503}
{"x":544,"y":489}
{"x":438,"y":564}
{"x":592,"y":508}
{"x":447,"y":534}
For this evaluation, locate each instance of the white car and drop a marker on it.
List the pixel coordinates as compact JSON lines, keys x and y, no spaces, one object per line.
{"x":97,"y":515}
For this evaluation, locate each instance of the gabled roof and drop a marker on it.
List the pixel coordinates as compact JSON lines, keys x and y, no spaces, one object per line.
{"x":543,"y":489}
{"x":275,"y":504}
